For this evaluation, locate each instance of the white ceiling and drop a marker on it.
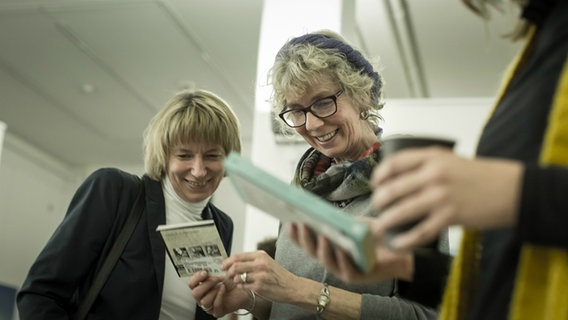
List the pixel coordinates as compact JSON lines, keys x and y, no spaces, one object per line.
{"x":80,"y":79}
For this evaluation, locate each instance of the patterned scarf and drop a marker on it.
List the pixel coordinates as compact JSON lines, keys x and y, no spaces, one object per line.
{"x":338,"y":183}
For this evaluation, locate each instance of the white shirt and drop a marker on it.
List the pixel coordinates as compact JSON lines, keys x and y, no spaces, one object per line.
{"x":177,"y":301}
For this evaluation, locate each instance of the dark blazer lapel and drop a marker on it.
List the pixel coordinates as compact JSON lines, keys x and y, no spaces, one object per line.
{"x":155,"y":213}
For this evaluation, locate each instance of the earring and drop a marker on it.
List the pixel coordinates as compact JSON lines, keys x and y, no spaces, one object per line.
{"x":364,"y":115}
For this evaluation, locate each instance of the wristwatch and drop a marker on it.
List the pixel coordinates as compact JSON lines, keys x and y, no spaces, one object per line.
{"x":323,"y":299}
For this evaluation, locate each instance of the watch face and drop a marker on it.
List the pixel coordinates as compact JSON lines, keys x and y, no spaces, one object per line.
{"x":323,"y":300}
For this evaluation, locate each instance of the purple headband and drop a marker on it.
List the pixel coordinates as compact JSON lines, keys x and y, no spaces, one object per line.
{"x":354,"y":57}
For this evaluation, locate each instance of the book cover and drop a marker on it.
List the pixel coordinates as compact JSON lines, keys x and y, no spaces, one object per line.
{"x":290,"y":203}
{"x":194,"y":246}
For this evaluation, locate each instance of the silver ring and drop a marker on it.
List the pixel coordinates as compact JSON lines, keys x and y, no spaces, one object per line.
{"x":207,"y":309}
{"x":244,"y":277}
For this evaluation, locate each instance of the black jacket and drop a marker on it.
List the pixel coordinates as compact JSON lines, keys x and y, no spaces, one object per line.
{"x":62,"y":272}
{"x":517,"y":131}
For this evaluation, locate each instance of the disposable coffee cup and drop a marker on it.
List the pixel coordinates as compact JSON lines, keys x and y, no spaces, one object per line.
{"x":394,"y":143}
{"x":391,"y":145}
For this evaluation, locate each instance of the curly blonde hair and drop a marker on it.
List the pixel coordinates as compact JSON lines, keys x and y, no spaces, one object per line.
{"x":301,"y":64}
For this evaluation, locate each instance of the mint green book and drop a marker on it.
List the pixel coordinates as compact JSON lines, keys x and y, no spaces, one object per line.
{"x":287,"y":203}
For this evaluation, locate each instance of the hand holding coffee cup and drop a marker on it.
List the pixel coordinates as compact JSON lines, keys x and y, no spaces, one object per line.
{"x":395,"y":143}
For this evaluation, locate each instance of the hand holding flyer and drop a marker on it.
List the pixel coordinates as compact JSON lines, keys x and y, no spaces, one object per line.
{"x":194,"y":246}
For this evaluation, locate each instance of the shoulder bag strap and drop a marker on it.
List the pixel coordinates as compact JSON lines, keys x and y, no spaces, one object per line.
{"x":114,"y":254}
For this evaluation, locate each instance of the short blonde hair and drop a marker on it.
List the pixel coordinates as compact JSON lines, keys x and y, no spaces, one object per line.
{"x":189,"y":117}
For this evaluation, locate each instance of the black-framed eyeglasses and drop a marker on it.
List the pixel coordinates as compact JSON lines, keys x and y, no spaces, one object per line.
{"x":322,"y":108}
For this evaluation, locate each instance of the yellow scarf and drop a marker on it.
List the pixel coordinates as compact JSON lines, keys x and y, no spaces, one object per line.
{"x":541,"y":286}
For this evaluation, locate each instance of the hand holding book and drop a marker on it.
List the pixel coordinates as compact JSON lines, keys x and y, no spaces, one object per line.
{"x":289,"y":203}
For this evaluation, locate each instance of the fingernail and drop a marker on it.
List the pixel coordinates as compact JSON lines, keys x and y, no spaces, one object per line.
{"x":379,"y":194}
{"x":393,"y":242}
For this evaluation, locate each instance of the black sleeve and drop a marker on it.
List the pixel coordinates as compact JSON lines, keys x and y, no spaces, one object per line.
{"x":431,"y":270}
{"x":224,"y":225}
{"x":543,"y":213}
{"x":70,"y":256}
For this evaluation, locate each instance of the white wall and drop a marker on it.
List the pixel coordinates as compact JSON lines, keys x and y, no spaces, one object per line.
{"x":2,"y":130}
{"x":461,"y":119}
{"x":34,"y":192}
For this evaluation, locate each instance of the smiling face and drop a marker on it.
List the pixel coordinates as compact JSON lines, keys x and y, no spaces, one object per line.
{"x":195,"y":170}
{"x":344,"y":135}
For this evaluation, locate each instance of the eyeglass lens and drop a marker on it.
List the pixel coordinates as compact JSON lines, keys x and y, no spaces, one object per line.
{"x":321,"y":109}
